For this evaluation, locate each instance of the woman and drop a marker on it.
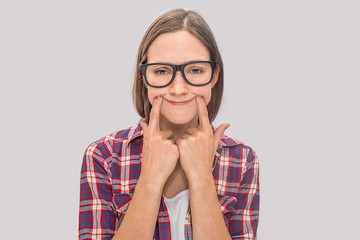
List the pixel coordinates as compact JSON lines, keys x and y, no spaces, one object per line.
{"x":139,"y":183}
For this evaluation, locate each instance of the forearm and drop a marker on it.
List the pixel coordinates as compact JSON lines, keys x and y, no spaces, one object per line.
{"x":140,"y":218}
{"x":207,"y":218}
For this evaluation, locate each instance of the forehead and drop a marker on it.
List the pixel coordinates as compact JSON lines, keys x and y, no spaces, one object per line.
{"x":177,"y":48}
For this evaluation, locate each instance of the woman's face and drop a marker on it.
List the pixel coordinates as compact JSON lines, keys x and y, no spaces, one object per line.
{"x":179,"y":103}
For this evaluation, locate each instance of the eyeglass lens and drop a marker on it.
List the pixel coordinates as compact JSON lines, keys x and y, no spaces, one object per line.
{"x":195,"y":73}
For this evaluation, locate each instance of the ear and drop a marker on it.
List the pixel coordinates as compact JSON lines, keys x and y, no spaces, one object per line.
{"x":215,"y":76}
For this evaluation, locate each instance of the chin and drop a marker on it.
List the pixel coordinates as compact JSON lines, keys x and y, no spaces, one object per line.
{"x":179,"y":120}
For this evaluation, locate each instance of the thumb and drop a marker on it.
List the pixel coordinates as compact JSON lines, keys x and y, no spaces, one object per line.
{"x":219,"y":132}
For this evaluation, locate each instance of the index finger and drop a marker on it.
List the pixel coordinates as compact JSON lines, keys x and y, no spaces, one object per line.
{"x":204,"y":122}
{"x":155,"y":114}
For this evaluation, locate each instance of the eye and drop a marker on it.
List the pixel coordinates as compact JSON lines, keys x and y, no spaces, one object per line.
{"x":195,"y":71}
{"x":161,"y":71}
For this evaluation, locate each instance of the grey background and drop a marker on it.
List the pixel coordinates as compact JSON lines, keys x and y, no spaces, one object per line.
{"x":291,"y":93}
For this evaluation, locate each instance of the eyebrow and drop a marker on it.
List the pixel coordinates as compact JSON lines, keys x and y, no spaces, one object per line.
{"x":196,"y":60}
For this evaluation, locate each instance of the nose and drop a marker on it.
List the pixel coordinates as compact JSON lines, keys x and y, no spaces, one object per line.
{"x":178,"y":86}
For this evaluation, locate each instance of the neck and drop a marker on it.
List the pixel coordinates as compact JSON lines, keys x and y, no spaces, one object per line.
{"x":177,"y":129}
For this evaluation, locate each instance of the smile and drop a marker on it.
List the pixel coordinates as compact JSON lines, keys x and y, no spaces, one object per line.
{"x":178,"y":103}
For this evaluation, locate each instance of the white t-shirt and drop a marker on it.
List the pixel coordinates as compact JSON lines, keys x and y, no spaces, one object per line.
{"x":177,"y":207}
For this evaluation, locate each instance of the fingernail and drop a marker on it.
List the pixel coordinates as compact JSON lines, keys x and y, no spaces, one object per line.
{"x":228,"y":125}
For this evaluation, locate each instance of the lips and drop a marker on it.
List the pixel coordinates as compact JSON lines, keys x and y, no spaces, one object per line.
{"x":176,"y":103}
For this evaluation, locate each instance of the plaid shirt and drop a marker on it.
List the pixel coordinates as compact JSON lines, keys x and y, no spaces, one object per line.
{"x":111,"y":168}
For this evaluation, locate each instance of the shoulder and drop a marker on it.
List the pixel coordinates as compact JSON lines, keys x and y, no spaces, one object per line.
{"x":229,"y":142}
{"x":236,"y":150}
{"x":106,"y":145}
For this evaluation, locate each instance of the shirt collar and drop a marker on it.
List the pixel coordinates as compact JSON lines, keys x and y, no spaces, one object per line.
{"x":135,"y":131}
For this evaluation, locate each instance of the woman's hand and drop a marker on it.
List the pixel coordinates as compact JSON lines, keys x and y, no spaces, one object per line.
{"x":159,"y":153}
{"x":198,"y":146}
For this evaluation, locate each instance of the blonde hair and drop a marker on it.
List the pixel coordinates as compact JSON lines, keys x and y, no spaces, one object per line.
{"x":177,"y":20}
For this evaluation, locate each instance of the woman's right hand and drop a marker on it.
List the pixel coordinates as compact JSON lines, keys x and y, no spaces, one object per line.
{"x":159,"y":153}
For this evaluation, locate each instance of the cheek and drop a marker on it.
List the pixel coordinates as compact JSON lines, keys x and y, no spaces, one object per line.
{"x":203,"y":92}
{"x":153,"y":93}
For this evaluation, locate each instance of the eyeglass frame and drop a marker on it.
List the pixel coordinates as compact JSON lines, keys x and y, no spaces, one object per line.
{"x":176,"y":68}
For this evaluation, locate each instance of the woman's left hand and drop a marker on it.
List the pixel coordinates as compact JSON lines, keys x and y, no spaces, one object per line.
{"x":198,"y":146}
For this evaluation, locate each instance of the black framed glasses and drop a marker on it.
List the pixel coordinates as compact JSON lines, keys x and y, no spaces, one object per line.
{"x":196,"y":73}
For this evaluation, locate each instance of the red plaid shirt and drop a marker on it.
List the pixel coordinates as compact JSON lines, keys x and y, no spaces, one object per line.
{"x":111,"y":168}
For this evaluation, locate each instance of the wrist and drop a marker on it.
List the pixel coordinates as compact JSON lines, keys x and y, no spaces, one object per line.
{"x":201,"y":181}
{"x":151,"y":184}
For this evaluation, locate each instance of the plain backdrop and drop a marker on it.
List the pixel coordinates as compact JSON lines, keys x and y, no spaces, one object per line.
{"x":291,"y":93}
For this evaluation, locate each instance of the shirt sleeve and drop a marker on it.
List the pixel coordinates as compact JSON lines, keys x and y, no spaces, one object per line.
{"x":97,"y":219}
{"x":243,"y":223}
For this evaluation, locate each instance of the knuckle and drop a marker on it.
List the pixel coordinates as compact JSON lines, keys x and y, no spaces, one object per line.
{"x":166,"y":132}
{"x":183,"y":142}
{"x":163,"y":136}
{"x":159,"y":137}
{"x":197,"y":135}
